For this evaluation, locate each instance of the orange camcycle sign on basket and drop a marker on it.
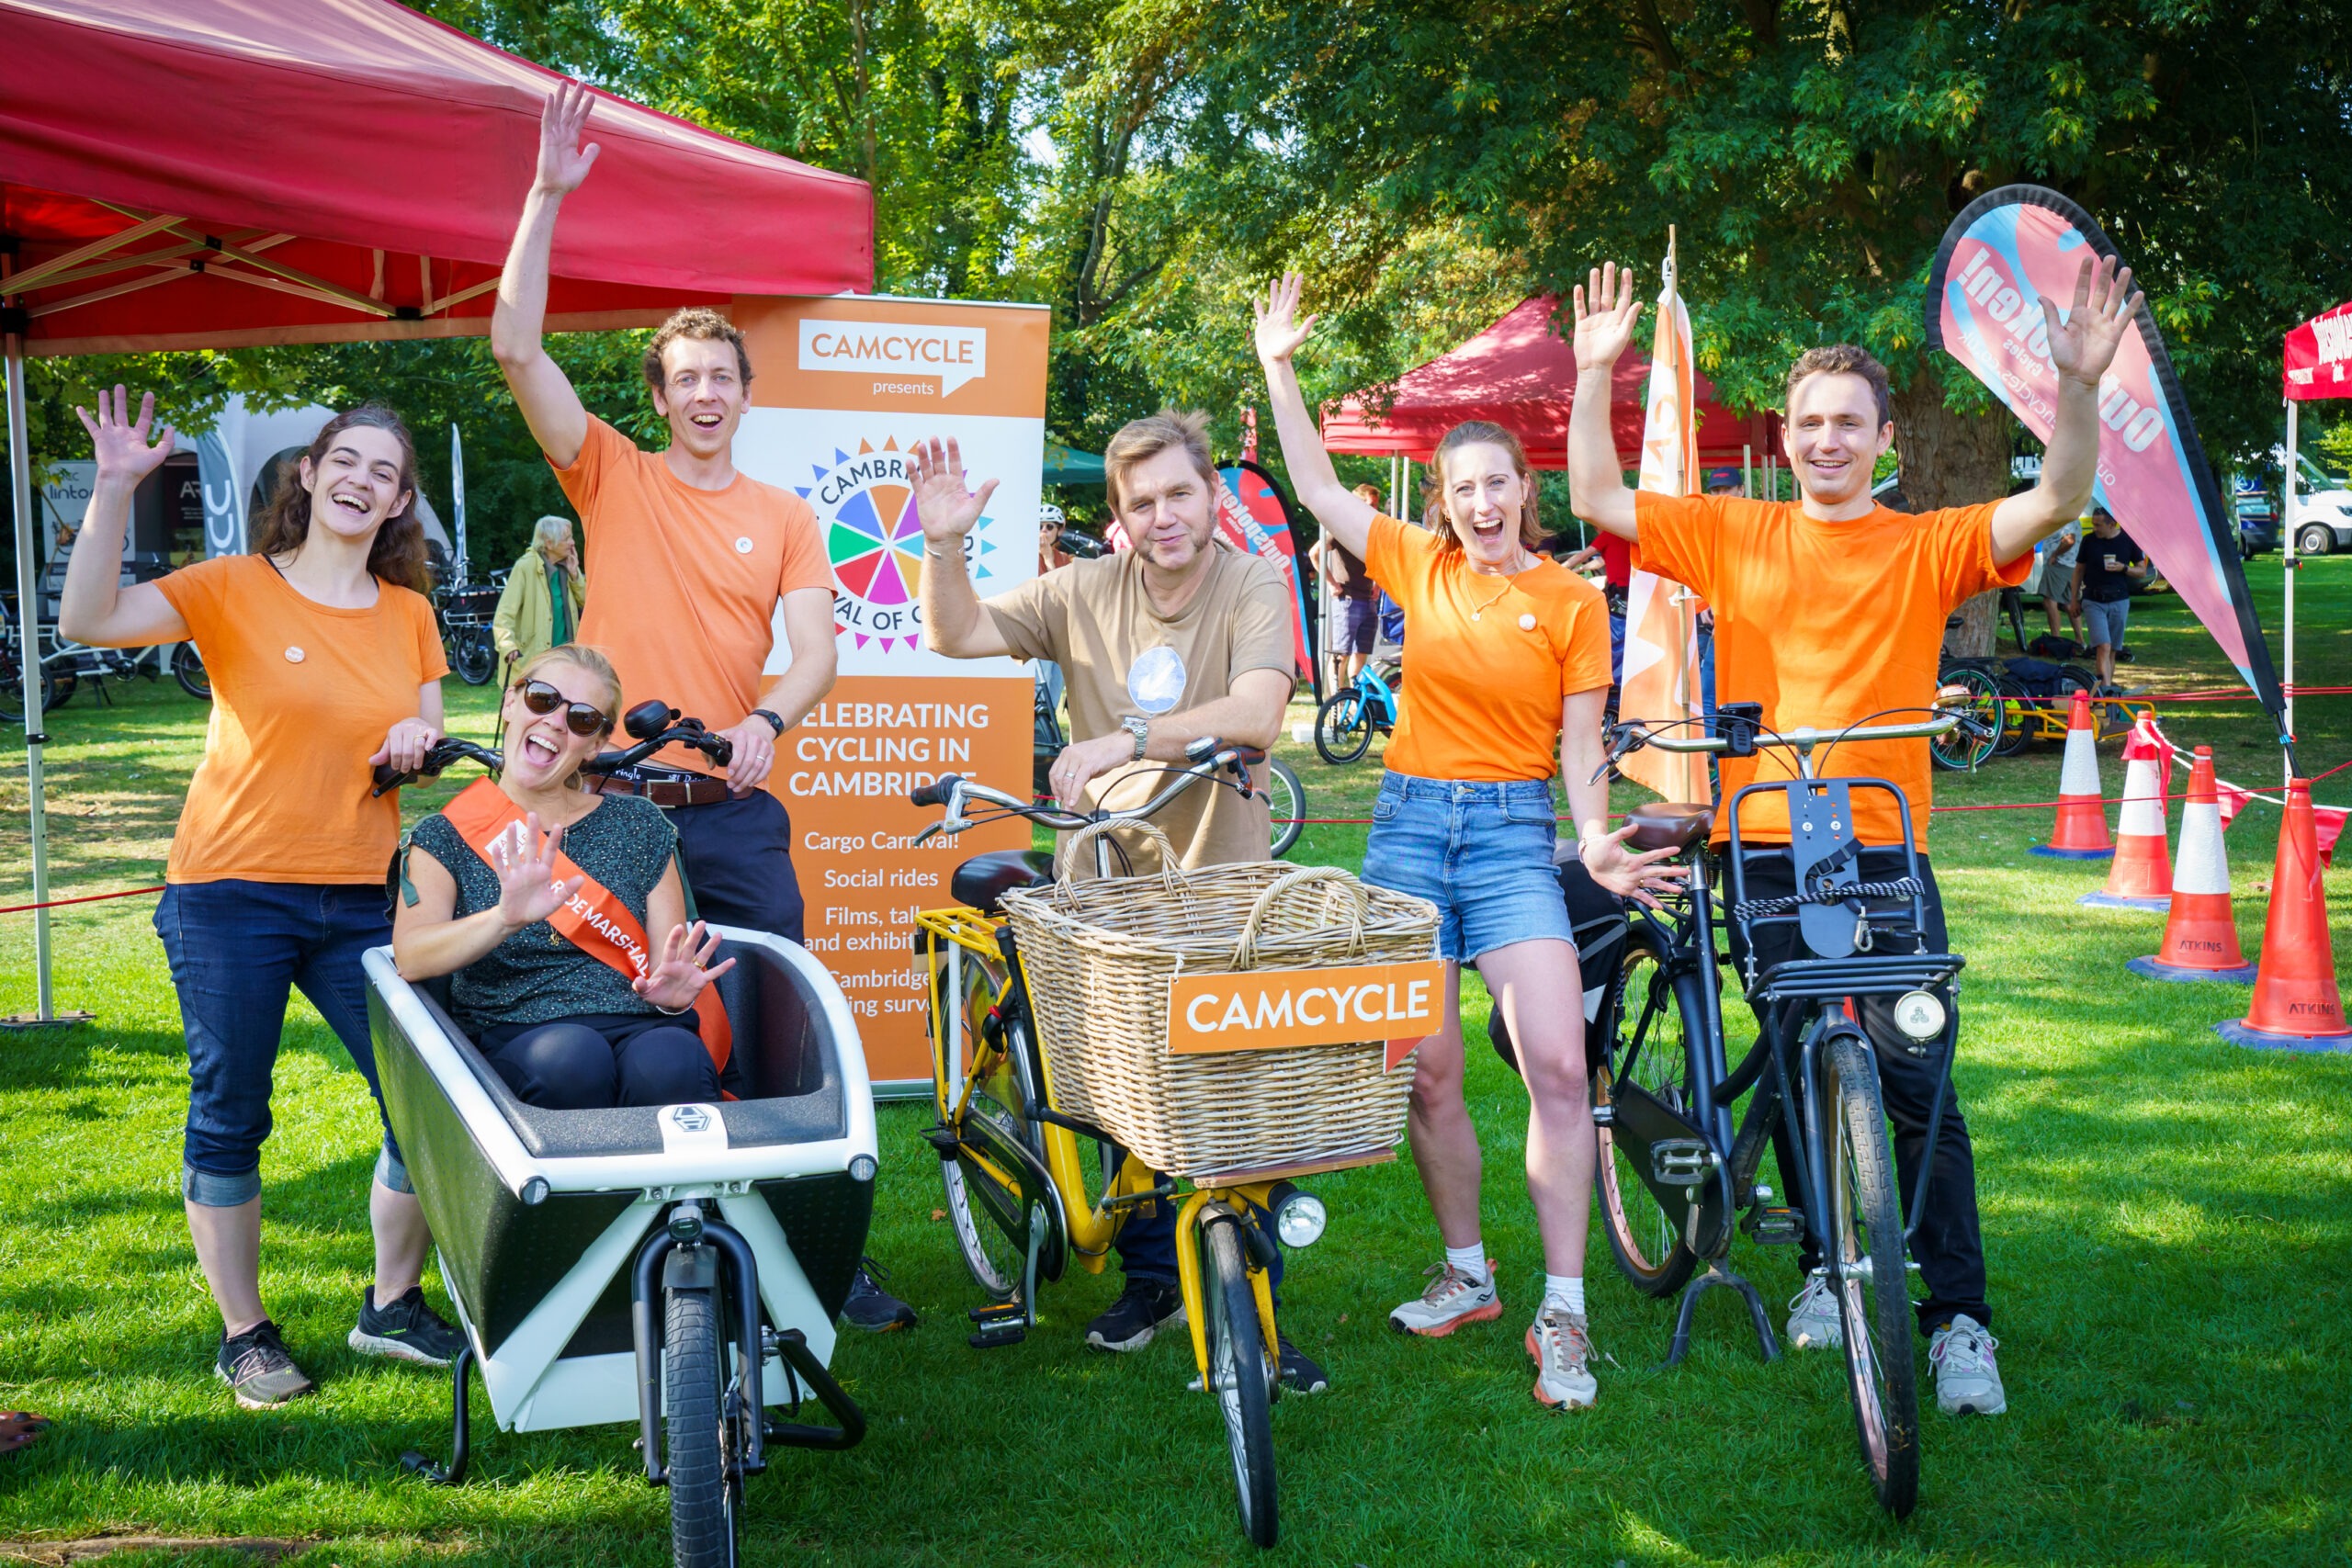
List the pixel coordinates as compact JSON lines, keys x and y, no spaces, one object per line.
{"x":1401,"y":1004}
{"x":842,"y":387}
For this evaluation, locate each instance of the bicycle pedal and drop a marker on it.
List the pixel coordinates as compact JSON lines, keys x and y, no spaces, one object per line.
{"x":1680,"y":1162}
{"x":942,"y":1140}
{"x":1006,"y":1322}
{"x":1773,"y":1227}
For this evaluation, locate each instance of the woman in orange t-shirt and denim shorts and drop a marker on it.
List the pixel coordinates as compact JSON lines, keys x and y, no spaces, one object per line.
{"x":1509,"y":676}
{"x":325,"y":660}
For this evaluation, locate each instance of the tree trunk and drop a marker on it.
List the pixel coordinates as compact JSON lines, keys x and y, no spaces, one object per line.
{"x":1952,"y":459}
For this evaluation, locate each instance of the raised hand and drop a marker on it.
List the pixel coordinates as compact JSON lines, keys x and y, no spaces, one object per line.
{"x":2083,"y":346}
{"x":1606,"y":311}
{"x":678,"y":974}
{"x":936,"y":470}
{"x":563,"y":162}
{"x":1280,"y":330}
{"x":528,"y":889}
{"x":123,"y":447}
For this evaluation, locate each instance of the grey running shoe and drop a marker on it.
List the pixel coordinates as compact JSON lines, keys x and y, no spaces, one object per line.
{"x":1814,"y":1321}
{"x":1968,"y":1381}
{"x":408,"y":1330}
{"x":258,"y":1371}
{"x":1562,"y":1347}
{"x":1452,"y":1299}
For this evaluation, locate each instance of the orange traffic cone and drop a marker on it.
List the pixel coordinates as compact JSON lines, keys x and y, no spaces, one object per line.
{"x":2141,"y":877}
{"x":2081,"y":832}
{"x":2200,"y":939}
{"x":2296,"y":1006}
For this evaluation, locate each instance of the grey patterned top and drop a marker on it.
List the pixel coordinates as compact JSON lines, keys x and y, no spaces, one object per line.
{"x":537,"y":973}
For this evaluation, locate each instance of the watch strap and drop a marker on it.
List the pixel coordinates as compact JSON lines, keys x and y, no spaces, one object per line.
{"x":773,"y":722}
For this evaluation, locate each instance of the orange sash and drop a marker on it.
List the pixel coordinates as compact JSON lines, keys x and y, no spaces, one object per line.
{"x":594,"y":920}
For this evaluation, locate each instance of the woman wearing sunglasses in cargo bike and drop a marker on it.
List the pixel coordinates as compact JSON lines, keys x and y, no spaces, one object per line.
{"x":519,"y":888}
{"x":1510,"y":672}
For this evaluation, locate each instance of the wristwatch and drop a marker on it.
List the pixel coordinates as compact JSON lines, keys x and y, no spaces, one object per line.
{"x":773,"y":723}
{"x":1141,"y":729}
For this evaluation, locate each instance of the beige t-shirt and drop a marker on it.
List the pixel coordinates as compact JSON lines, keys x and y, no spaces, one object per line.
{"x":1121,"y":657}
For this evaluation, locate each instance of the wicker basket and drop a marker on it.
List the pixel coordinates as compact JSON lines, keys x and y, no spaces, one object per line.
{"x":1099,"y":956}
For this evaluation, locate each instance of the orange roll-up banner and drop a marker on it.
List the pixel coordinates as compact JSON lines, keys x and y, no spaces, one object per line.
{"x":841,"y":386}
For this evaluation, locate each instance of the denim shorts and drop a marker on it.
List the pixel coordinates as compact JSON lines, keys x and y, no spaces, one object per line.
{"x":2103,"y":621}
{"x":1480,"y":852}
{"x":237,"y":950}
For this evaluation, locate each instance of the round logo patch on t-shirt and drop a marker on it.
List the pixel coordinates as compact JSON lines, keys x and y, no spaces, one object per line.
{"x":293,"y":656}
{"x":1156,"y":680}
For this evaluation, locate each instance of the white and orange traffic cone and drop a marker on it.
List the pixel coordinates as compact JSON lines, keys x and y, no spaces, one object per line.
{"x":2296,"y":1006}
{"x":2081,"y":830}
{"x":2201,"y":938}
{"x":2141,"y":877}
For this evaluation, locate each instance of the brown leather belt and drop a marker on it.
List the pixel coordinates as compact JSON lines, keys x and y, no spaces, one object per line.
{"x":664,"y":793}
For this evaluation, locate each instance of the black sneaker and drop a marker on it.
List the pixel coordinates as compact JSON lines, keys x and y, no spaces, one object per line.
{"x":258,"y":1371}
{"x":1300,"y":1374}
{"x":408,"y":1330}
{"x":870,"y":1306}
{"x":1143,"y":1309}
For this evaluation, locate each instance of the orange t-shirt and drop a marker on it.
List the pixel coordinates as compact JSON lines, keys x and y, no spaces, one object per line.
{"x":691,"y":579}
{"x":1491,"y":657}
{"x":1826,"y":624}
{"x":302,"y":696}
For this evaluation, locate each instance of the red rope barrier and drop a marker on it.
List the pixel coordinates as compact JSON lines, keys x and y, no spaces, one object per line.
{"x":87,"y":898}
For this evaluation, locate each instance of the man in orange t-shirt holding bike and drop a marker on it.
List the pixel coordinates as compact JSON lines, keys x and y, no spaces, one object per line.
{"x":1830,"y":611}
{"x":697,"y":557}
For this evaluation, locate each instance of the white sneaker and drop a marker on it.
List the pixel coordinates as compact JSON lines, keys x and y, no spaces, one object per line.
{"x":1562,"y":1347}
{"x":1968,"y":1381}
{"x":1814,"y":1320}
{"x":1452,"y":1299}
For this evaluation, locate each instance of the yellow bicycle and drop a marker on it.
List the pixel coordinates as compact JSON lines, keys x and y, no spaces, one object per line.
{"x":1015,"y":1168}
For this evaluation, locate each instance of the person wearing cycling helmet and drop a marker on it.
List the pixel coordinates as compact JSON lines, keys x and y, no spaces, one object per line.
{"x":491,"y":890}
{"x":1830,"y":611}
{"x":324,"y":661}
{"x":1510,"y":675}
{"x":707,"y":556}
{"x":1177,"y":637}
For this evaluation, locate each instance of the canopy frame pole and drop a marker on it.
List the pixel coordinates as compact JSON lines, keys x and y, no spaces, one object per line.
{"x":28,"y":669}
{"x":2287,"y":556}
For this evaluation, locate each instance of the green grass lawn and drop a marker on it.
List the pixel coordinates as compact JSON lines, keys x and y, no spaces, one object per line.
{"x":2166,"y":1224}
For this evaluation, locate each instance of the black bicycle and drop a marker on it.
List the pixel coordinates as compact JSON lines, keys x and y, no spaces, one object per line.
{"x":1675,"y":1170}
{"x":651,"y":725}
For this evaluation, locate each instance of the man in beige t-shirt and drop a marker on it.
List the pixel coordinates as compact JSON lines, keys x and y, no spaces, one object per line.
{"x":1179,"y":638}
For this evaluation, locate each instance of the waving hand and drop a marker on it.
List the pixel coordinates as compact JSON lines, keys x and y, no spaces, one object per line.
{"x":2083,"y":346}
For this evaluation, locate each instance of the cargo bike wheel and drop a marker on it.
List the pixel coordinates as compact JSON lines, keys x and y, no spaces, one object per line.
{"x":1240,"y":1374}
{"x":1867,"y":1274}
{"x":704,"y":1433}
{"x":988,"y":1220}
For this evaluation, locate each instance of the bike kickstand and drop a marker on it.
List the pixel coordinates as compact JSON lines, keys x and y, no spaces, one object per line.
{"x":1718,"y":1277}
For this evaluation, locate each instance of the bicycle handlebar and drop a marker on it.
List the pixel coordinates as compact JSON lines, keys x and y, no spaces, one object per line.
{"x":1210,"y":757}
{"x":438,"y":756}
{"x":1804,"y":737}
{"x":673,"y":730}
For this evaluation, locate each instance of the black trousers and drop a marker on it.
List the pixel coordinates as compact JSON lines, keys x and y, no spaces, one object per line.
{"x":1949,"y":1246}
{"x":738,"y":854}
{"x":596,"y":1061}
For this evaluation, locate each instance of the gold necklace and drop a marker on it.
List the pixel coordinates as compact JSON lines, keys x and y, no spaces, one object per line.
{"x":1480,"y":611}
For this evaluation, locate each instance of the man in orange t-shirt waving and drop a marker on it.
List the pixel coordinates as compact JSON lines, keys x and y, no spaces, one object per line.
{"x":695,"y":557}
{"x":1830,"y":611}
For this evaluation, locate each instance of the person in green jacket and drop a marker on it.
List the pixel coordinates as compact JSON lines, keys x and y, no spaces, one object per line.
{"x":540,"y":608}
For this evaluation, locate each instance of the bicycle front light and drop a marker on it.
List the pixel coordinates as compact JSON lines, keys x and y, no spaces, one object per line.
{"x":1920,"y":1015}
{"x":1299,"y":1219}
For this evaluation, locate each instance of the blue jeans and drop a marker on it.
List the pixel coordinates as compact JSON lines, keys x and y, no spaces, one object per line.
{"x":237,"y":949}
{"x":738,"y":856}
{"x":1480,"y":850}
{"x":1147,"y":1245}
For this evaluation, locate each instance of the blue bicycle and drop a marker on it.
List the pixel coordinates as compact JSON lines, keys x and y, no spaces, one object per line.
{"x":1351,"y":716}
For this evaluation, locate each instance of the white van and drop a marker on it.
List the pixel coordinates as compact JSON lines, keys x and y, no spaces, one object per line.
{"x":2322,"y":524}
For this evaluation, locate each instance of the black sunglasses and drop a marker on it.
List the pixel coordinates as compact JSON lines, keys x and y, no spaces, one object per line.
{"x":579,"y":718}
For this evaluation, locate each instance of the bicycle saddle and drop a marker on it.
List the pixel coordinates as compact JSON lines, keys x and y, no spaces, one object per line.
{"x":982,"y":881}
{"x":1661,"y":825}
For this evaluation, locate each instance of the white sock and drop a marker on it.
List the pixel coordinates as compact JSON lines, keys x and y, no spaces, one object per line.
{"x":1470,"y":1260}
{"x":1566,"y":1288}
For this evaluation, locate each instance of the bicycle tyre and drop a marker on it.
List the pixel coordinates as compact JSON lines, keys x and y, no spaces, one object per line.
{"x":704,"y":1495}
{"x":57,"y":687}
{"x":1342,"y":727}
{"x":477,"y":656}
{"x":2024,"y":718}
{"x":986,"y":1236}
{"x":187,"y":669}
{"x":1285,"y":805}
{"x":1644,"y":1236}
{"x":1956,"y":750}
{"x":1239,"y":1378}
{"x":1866,"y":1227}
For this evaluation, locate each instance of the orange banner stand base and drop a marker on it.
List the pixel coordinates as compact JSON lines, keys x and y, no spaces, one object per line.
{"x":2236,"y":1032}
{"x":2150,"y":968}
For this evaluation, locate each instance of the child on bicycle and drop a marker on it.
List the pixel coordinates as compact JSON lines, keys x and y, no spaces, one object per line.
{"x":1510,"y":672}
{"x":1830,"y":611}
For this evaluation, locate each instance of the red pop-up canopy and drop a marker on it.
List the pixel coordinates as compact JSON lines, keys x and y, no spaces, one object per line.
{"x":199,"y":173}
{"x":1522,"y":375}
